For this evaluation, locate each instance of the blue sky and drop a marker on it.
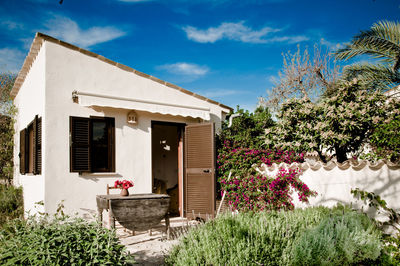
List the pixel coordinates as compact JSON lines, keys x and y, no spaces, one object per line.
{"x":229,"y":51}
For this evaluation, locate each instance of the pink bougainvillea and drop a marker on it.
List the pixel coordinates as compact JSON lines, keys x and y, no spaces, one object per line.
{"x":258,"y":193}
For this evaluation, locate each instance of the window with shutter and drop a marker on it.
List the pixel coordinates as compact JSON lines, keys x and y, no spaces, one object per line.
{"x":30,"y":153}
{"x":22,"y":151}
{"x":92,"y":144}
{"x":38,"y":149}
{"x":80,"y":145}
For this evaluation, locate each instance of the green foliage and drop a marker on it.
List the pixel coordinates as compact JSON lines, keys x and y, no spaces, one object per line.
{"x":340,"y":124}
{"x":385,"y":139}
{"x":59,"y":241}
{"x":246,"y":130}
{"x":382,"y":42}
{"x":391,"y":254}
{"x":11,"y":203}
{"x":339,"y":240}
{"x":265,"y":238}
{"x":6,"y":148}
{"x":7,"y":113}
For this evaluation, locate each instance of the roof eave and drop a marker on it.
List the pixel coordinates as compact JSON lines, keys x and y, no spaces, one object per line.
{"x":40,"y":38}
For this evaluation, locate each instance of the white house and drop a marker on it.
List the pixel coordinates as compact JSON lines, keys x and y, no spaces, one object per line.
{"x":85,"y":121}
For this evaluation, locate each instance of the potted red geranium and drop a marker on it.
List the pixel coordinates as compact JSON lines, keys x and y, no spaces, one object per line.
{"x":123,"y":185}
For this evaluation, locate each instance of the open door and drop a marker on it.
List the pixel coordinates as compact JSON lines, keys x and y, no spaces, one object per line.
{"x":200,"y":171}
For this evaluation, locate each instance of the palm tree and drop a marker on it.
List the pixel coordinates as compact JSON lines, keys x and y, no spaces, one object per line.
{"x":382,"y":42}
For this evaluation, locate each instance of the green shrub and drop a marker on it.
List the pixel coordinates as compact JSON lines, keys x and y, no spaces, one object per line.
{"x":11,"y":203}
{"x":253,"y":238}
{"x":59,"y":241}
{"x":339,"y":240}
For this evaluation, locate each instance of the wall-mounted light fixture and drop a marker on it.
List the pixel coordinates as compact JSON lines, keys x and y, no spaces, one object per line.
{"x":132,"y":118}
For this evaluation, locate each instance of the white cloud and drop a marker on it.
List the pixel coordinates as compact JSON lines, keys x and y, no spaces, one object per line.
{"x":12,"y":25}
{"x":69,"y":31}
{"x":227,"y":30}
{"x":185,"y":69}
{"x":332,"y":45}
{"x":288,"y":39}
{"x":220,"y":93}
{"x":239,"y":32}
{"x":11,"y":60}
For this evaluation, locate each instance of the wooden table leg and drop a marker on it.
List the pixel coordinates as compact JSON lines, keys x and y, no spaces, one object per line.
{"x":167,"y":226}
{"x":100,"y":215}
{"x":111,"y":219}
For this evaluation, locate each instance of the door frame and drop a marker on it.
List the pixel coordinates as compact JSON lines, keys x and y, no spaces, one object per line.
{"x":181,"y":164}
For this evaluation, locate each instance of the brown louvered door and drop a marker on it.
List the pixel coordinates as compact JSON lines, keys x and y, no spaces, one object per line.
{"x":199,"y":170}
{"x":80,"y":144}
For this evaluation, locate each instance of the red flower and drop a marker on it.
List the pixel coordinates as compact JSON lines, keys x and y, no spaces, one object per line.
{"x":123,"y":184}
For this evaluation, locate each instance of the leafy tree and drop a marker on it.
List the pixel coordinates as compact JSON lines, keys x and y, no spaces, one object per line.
{"x":385,"y":139}
{"x":247,"y":130}
{"x":339,"y":125}
{"x":382,"y":42}
{"x":7,"y":112}
{"x":304,"y":76}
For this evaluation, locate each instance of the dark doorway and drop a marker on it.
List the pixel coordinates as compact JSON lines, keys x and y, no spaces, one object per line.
{"x":167,"y":162}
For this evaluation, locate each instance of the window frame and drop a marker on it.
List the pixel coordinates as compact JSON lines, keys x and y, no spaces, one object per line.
{"x":110,"y":123}
{"x":31,"y":154}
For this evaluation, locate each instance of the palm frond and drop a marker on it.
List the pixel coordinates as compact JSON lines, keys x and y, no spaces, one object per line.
{"x":373,"y":77}
{"x":381,"y":41}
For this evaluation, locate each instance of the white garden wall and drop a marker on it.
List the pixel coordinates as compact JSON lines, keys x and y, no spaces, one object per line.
{"x":333,"y":181}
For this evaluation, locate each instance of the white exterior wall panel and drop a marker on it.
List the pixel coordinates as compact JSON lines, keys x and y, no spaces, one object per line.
{"x":69,"y":70}
{"x":29,"y":102}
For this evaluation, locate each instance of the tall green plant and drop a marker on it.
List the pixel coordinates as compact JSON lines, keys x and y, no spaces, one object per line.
{"x":7,"y":113}
{"x":267,"y":238}
{"x":347,"y":239}
{"x":11,"y":203}
{"x":59,"y":240}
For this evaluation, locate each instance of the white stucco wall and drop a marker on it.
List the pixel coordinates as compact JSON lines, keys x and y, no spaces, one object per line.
{"x":333,"y":184}
{"x":30,"y":102}
{"x":68,"y":70}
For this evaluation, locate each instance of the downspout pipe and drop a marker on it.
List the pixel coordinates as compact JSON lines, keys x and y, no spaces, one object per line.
{"x":232,"y":117}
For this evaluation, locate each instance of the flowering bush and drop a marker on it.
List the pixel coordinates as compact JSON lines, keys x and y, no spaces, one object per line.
{"x":241,"y":160}
{"x":239,"y":148}
{"x":340,"y":124}
{"x":257,"y":192}
{"x":123,"y":184}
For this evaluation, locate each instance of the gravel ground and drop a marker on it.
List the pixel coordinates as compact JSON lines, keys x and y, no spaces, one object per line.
{"x":151,"y":249}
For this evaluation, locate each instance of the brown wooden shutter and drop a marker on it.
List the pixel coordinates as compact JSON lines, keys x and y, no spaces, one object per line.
{"x":200,"y":170}
{"x":37,"y":145}
{"x":22,"y":151}
{"x":111,"y":143}
{"x":80,"y":144}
